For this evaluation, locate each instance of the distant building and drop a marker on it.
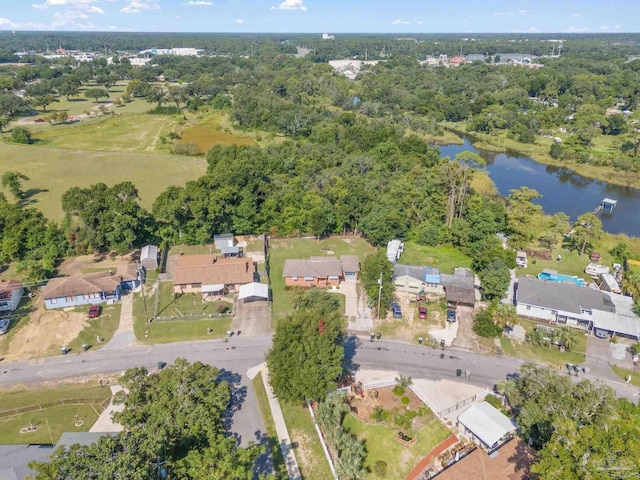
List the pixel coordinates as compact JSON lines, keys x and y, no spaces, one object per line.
{"x":326,"y":36}
{"x":139,"y":62}
{"x":350,"y":67}
{"x":475,"y":57}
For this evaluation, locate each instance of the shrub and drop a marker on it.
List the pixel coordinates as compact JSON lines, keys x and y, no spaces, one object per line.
{"x":485,"y":326}
{"x":380,"y":468}
{"x":173,"y":136}
{"x":223,"y":308}
{"x":168,"y":110}
{"x":22,"y":135}
{"x":379,"y":414}
{"x":405,"y":400}
{"x":398,"y":390}
{"x":187,"y":148}
{"x":493,"y":401}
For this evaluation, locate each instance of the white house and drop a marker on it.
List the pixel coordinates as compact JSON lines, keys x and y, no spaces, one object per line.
{"x":414,"y":279}
{"x":486,"y":426}
{"x":10,"y":294}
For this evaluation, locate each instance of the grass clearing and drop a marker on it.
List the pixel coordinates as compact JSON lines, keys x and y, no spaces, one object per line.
{"x":282,"y":249}
{"x":445,"y":258}
{"x":306,"y":444}
{"x":53,"y":171}
{"x":551,"y":355}
{"x":211,"y":131}
{"x":381,"y":445}
{"x":104,"y":326}
{"x":267,"y":418}
{"x":60,"y":418}
{"x":623,"y":373}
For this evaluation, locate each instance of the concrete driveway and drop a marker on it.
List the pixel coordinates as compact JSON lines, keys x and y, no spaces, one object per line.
{"x":253,"y":319}
{"x":464,"y":338}
{"x":601,"y":354}
{"x":355,"y":307}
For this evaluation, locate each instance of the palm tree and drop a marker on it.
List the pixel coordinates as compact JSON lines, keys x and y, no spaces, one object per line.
{"x":351,"y":459}
{"x":567,"y":338}
{"x":507,"y":387}
{"x":631,"y":284}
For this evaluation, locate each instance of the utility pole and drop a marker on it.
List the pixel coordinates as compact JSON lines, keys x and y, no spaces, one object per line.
{"x":379,"y":294}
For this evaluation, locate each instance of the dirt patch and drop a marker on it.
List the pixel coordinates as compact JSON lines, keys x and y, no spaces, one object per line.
{"x":46,"y":331}
{"x":95,"y":262}
{"x":363,"y":407}
{"x":303,"y":451}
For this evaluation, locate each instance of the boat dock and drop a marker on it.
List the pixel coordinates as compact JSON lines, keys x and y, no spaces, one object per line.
{"x":606,"y":205}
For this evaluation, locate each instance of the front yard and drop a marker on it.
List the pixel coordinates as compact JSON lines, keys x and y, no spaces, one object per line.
{"x":550,"y":354}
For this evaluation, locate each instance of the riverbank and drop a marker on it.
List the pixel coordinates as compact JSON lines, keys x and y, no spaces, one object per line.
{"x":539,"y":152}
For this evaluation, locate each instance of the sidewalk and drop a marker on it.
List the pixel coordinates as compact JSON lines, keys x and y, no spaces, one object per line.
{"x":104,"y":423}
{"x":124,"y":336}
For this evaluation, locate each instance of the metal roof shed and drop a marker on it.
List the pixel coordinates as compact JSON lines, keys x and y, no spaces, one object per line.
{"x":487,"y":424}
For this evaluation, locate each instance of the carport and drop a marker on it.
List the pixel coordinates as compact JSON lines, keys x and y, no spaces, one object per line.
{"x":622,"y":325}
{"x":253,"y":292}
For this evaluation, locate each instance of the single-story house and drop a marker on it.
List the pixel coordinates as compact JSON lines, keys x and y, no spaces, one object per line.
{"x":512,"y":461}
{"x":253,"y":292}
{"x":459,"y":288}
{"x":486,"y":426}
{"x":68,"y":439}
{"x":10,"y":295}
{"x":394,"y":250}
{"x":131,"y":276}
{"x":350,"y":266}
{"x":86,"y":289}
{"x":14,"y":459}
{"x":562,"y":303}
{"x":224,"y":240}
{"x":315,"y":272}
{"x":211,"y":275}
{"x":625,"y":325}
{"x":414,"y":279}
{"x":149,"y":257}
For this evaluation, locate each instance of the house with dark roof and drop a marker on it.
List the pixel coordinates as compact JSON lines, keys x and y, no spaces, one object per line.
{"x":10,"y":295}
{"x":90,"y":288}
{"x":14,"y":459}
{"x":350,"y":266}
{"x":562,"y":303}
{"x":414,"y":279}
{"x":320,"y":271}
{"x":459,"y":288}
{"x":210,"y":275}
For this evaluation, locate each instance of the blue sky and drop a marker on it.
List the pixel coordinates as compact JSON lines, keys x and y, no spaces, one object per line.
{"x":332,"y":16}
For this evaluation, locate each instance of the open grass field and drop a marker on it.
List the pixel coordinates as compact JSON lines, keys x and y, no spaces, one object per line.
{"x":53,"y":171}
{"x":104,"y":326}
{"x":267,"y":419}
{"x":445,"y":258}
{"x":215,"y":130}
{"x":400,"y":459}
{"x":130,"y":133}
{"x":281,"y":249}
{"x":59,"y":418}
{"x":306,"y":444}
{"x":551,"y":355}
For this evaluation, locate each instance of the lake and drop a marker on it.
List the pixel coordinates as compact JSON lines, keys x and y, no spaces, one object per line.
{"x":562,"y":190}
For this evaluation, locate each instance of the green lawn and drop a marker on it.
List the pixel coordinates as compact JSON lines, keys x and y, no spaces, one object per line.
{"x":282,"y":249}
{"x":127,"y":133}
{"x":445,"y":258}
{"x":551,"y":355}
{"x":381,"y":445}
{"x":104,"y":326}
{"x":52,"y":172}
{"x":267,"y":419}
{"x":306,"y":444}
{"x":624,"y":372}
{"x":175,"y":330}
{"x":60,"y":418}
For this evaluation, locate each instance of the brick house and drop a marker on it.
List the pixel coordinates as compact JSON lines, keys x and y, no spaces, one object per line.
{"x":210,"y":275}
{"x":320,"y":271}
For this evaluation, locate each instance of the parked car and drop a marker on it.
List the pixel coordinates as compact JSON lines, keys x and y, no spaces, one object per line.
{"x":397,"y":311}
{"x":451,"y":315}
{"x":595,"y":256}
{"x":4,"y":325}
{"x":94,"y":311}
{"x":422,"y":312}
{"x":600,"y":333}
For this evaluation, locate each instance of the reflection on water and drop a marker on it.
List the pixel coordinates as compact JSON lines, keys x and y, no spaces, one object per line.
{"x":562,"y":189}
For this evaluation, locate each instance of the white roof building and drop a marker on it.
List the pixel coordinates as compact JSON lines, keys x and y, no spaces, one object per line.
{"x":486,"y":425}
{"x":253,"y":291}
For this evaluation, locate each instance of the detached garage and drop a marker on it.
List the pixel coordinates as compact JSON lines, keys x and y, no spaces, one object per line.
{"x":253,"y":292}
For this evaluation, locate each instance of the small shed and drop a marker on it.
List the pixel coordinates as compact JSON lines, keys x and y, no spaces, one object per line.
{"x":486,"y":426}
{"x":230,"y":252}
{"x":224,"y":240}
{"x":149,"y":257}
{"x":253,"y":292}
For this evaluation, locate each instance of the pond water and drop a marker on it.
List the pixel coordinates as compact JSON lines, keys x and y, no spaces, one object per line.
{"x":562,"y":190}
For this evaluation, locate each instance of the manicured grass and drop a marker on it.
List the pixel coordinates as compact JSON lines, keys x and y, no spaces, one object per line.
{"x":59,"y":418}
{"x":282,"y":249}
{"x":123,"y":133}
{"x":192,"y":249}
{"x":306,"y":444}
{"x":551,"y":355}
{"x":267,"y":419}
{"x":174,"y":330}
{"x":624,"y":372}
{"x":189,"y":305}
{"x":381,"y":445}
{"x":104,"y":326}
{"x":52,"y":423}
{"x":445,"y":258}
{"x":52,"y":172}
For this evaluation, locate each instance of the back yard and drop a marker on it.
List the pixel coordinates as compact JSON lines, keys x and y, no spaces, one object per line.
{"x":445,"y":258}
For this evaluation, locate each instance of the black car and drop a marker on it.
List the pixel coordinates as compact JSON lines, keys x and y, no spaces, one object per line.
{"x":451,"y":315}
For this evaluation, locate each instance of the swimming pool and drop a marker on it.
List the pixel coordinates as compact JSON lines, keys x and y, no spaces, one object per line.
{"x":558,"y":277}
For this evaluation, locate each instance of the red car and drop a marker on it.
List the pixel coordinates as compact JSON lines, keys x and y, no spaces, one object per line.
{"x":422,"y":312}
{"x":94,"y":311}
{"x":595,"y":256}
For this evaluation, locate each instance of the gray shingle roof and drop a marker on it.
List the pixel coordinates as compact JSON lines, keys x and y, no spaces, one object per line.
{"x":350,"y":263}
{"x":149,"y":252}
{"x":14,"y":459}
{"x":562,"y":296}
{"x":317,"y":267}
{"x":410,"y":271}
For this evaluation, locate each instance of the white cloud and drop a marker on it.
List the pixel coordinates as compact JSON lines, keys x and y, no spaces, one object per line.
{"x":272,"y":7}
{"x":178,"y":17}
{"x":573,"y":29}
{"x":399,"y":22}
{"x":39,"y":6}
{"x":419,"y":22}
{"x":522,"y":12}
{"x":199,"y":2}
{"x":96,"y":10}
{"x":607,"y":27}
{"x":292,"y":5}
{"x":239,"y":21}
{"x":137,"y":6}
{"x":576,"y":14}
